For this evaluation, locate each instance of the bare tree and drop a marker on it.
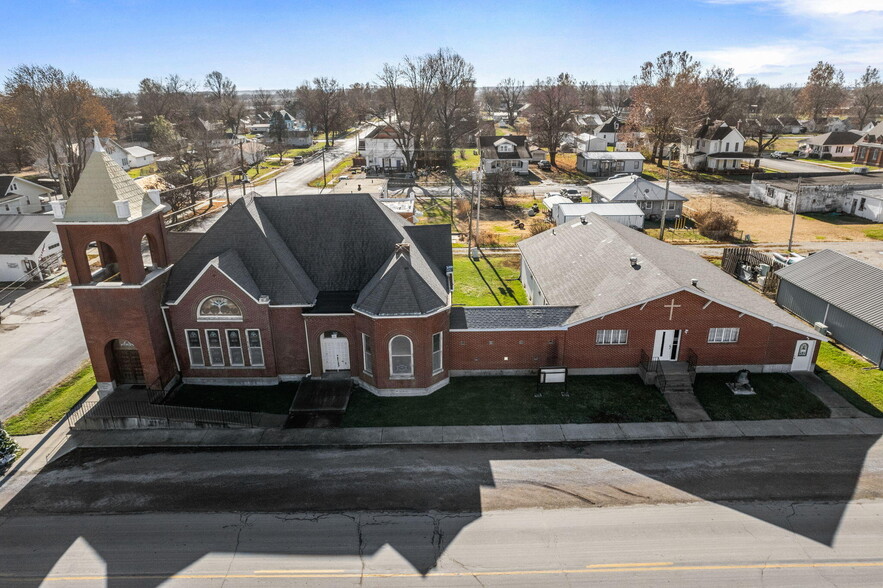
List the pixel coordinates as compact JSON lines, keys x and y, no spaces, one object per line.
{"x":59,"y":113}
{"x":278,"y":132}
{"x":781,"y":100}
{"x":614,"y":97}
{"x":552,"y":104}
{"x":328,"y":102}
{"x":360,"y":100}
{"x":225,"y":102}
{"x":590,"y":96}
{"x":454,"y":101}
{"x":667,"y":96}
{"x":262,"y":100}
{"x":763,"y":131}
{"x":823,"y":91}
{"x":722,"y":93}
{"x":511,"y":94}
{"x":285,"y":97}
{"x":14,"y":152}
{"x":867,"y":96}
{"x":174,"y":98}
{"x":120,"y":106}
{"x":499,"y":185}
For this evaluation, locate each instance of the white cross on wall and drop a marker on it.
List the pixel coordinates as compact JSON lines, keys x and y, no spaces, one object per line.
{"x":672,"y":307}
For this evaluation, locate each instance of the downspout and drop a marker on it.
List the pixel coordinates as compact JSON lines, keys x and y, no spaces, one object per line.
{"x":171,"y":341}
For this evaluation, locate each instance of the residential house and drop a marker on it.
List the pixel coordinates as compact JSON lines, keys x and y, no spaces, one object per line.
{"x":20,"y":196}
{"x":588,"y":121}
{"x":509,"y":152}
{"x":857,"y":194}
{"x":587,"y":142}
{"x":384,"y":149}
{"x":869,"y":148}
{"x":833,"y":145}
{"x":29,"y":247}
{"x":608,"y":163}
{"x":841,"y":295}
{"x":609,"y":130}
{"x":714,"y":146}
{"x":281,"y":288}
{"x":624,"y":213}
{"x":648,"y":196}
{"x":790,"y":125}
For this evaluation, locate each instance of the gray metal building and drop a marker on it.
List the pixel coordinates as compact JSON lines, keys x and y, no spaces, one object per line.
{"x":844,"y":294}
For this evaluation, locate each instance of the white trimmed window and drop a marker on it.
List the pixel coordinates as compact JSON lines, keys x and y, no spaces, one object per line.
{"x":436,"y":353}
{"x":194,"y":347}
{"x":234,"y":347}
{"x":219,"y":308}
{"x":723,"y":335}
{"x":611,"y":337}
{"x":367,"y":354}
{"x":401,"y":357}
{"x":255,"y":349}
{"x":213,"y":341}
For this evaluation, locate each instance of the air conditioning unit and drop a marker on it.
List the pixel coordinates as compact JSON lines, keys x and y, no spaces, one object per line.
{"x":821,"y":328}
{"x":858,"y":170}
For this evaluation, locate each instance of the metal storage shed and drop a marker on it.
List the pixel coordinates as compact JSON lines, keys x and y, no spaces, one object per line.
{"x":842,"y":293}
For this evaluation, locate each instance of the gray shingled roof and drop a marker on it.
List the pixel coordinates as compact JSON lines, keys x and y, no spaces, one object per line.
{"x":836,"y":138}
{"x":101,"y":183}
{"x":588,"y":265}
{"x":294,"y":247}
{"x":851,"y":285}
{"x":631,"y":188}
{"x":510,"y":317}
{"x":21,"y":242}
{"x":487,"y":147}
{"x":713,"y":131}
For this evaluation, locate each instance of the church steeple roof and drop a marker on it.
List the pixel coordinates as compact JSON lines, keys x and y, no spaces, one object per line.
{"x":102,"y":185}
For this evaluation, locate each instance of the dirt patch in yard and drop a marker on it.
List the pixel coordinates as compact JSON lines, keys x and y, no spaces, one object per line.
{"x":766,"y":224}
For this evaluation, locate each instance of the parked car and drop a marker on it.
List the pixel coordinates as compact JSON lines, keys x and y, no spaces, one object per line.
{"x":779,"y":155}
{"x":546,"y":165}
{"x":572,"y":193}
{"x":298,"y":159}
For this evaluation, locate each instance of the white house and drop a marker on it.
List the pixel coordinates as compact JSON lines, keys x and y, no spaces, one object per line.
{"x":29,"y":247}
{"x":714,"y":146}
{"x":790,"y":124}
{"x":609,"y":130}
{"x":509,"y":152}
{"x":624,"y":213}
{"x":587,"y":142}
{"x":20,"y":196}
{"x":855,"y":194}
{"x":607,"y":163}
{"x":833,"y":145}
{"x":648,"y":196}
{"x":139,"y":156}
{"x":383,"y":150}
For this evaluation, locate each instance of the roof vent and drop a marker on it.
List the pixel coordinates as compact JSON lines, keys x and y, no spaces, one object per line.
{"x":695,"y":282}
{"x":154,"y":196}
{"x":633,"y":259}
{"x":582,"y":219}
{"x":402,"y":249}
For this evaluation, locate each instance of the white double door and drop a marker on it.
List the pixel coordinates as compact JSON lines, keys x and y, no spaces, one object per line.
{"x":666,"y":345}
{"x":335,"y":353}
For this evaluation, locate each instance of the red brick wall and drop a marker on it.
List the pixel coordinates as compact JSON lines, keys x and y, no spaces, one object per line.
{"x":759,"y":342}
{"x":865,"y":155}
{"x":183,"y":316}
{"x":345,"y":324}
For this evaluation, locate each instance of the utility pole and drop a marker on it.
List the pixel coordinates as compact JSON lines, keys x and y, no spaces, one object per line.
{"x":478,"y":213}
{"x":324,"y":173}
{"x":471,"y":205}
{"x":794,"y":214}
{"x":665,"y":199}
{"x":227,"y":190}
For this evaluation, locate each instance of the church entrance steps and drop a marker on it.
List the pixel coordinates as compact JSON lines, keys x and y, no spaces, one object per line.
{"x":320,"y":402}
{"x":675,"y":380}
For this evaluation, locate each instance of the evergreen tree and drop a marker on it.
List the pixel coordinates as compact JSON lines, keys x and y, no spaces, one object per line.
{"x":8,"y":448}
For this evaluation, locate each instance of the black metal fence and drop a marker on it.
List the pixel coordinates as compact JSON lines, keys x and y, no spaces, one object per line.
{"x":94,"y":415}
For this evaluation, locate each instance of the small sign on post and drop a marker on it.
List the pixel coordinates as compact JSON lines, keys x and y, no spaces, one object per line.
{"x":552,"y":375}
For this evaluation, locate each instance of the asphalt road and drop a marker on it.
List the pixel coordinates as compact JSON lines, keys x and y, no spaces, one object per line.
{"x":794,"y":166}
{"x":41,"y":342}
{"x":797,"y":511}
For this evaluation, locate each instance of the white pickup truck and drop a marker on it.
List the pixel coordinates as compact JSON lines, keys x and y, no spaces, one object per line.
{"x":571,"y":193}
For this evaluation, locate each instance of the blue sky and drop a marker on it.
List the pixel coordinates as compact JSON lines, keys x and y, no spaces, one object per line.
{"x":115,"y":43}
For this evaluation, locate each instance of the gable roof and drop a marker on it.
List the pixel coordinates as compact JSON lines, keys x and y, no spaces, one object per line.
{"x":714,"y":131}
{"x":603,"y":209}
{"x":294,"y":247}
{"x":611,"y":125}
{"x":632,"y":188}
{"x":102,"y":182}
{"x":27,"y":222}
{"x":138,"y":151}
{"x":588,"y":265}
{"x":845,"y":282}
{"x":613,"y":155}
{"x":21,"y":242}
{"x":7,"y":179}
{"x":835,"y":138}
{"x":488,"y":147}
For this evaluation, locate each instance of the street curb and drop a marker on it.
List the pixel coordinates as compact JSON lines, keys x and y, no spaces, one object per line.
{"x":497,"y":434}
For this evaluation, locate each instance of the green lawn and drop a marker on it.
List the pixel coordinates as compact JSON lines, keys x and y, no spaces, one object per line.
{"x":779,"y":396}
{"x":470,"y":161}
{"x":854,"y":378}
{"x":490,"y":281}
{"x":271,"y":399}
{"x":511,"y":401}
{"x":51,"y":407}
{"x":874,"y":234}
{"x":332,"y":173}
{"x":138,"y":172}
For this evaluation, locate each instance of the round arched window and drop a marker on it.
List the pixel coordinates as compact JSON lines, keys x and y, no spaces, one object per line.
{"x":219,"y":307}
{"x":401,"y":357}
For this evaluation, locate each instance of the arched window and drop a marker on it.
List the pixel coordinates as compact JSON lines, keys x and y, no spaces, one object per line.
{"x":401,"y":357}
{"x":219,"y":308}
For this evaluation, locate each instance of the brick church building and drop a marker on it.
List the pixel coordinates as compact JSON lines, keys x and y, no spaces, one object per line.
{"x":279,"y":288}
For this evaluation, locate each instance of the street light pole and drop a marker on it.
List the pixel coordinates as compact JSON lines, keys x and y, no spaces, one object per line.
{"x":665,"y":199}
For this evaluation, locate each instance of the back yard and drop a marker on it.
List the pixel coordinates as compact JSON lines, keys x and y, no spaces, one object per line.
{"x":490,"y":281}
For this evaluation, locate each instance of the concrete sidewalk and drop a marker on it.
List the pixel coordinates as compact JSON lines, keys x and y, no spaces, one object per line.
{"x":464,"y":435}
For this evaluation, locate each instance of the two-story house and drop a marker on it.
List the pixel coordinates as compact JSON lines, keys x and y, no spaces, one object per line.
{"x":714,"y":146}
{"x":509,"y":152}
{"x":20,"y":196}
{"x":384,"y":149}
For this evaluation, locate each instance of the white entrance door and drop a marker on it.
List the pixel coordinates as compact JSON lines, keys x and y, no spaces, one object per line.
{"x":803,"y":351}
{"x":666,"y":344}
{"x":335,"y":353}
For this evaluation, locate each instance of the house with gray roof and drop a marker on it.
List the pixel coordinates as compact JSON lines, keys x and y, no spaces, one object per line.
{"x":841,"y":296}
{"x":507,"y":152}
{"x":650,"y":197}
{"x":714,"y":146}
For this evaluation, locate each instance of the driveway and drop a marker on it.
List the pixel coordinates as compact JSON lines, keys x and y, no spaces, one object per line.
{"x":41,"y":342}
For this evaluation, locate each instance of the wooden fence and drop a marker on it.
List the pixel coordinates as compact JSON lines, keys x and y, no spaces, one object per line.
{"x":745,"y":263}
